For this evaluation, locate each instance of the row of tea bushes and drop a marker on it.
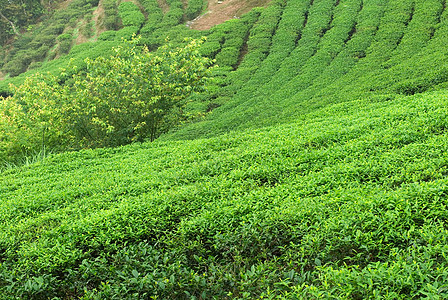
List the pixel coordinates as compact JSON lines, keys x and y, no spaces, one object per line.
{"x":356,"y":189}
{"x":346,"y":50}
{"x":284,"y":41}
{"x":130,"y":14}
{"x":35,"y":46}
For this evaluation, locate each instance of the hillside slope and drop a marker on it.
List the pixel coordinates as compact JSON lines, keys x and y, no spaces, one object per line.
{"x":347,"y":203}
{"x":322,"y":173}
{"x":325,"y":53}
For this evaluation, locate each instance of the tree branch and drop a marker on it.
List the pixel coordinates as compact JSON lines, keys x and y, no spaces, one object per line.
{"x":10,"y":22}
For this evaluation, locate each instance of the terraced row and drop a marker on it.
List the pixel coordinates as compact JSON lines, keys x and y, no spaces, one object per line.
{"x":336,"y":51}
{"x":347,"y":202}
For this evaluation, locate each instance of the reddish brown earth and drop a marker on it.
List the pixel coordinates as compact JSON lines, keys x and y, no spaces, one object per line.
{"x":221,"y":11}
{"x":163,"y":5}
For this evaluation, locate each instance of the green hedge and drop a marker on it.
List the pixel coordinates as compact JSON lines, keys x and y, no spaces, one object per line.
{"x":348,"y":202}
{"x":194,"y":9}
{"x":130,"y":14}
{"x":111,"y":19}
{"x":32,"y":43}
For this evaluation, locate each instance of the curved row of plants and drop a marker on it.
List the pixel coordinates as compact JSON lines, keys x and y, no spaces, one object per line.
{"x":386,"y":49}
{"x":347,"y":202}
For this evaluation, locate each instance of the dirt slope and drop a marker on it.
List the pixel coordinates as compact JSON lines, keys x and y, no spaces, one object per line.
{"x":221,"y":11}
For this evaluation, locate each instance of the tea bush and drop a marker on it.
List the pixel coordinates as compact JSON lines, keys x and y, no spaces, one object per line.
{"x":346,"y":202}
{"x":155,"y":16}
{"x":130,"y":14}
{"x":320,"y":171}
{"x":111,"y":18}
{"x":194,"y":9}
{"x":130,"y":96}
{"x":43,"y":37}
{"x":341,"y":53}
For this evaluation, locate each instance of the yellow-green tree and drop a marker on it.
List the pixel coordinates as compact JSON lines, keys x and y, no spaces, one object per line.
{"x":133,"y":94}
{"x":33,"y":119}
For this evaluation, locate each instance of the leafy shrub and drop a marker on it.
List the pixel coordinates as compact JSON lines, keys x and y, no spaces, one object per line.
{"x":35,"y":65}
{"x":111,"y":20}
{"x":64,"y":47}
{"x":236,"y":42}
{"x":131,"y":96}
{"x":65,"y":43}
{"x":45,"y":34}
{"x":135,"y":93}
{"x":211,"y":49}
{"x":155,"y":17}
{"x":130,"y":14}
{"x":32,"y":119}
{"x":228,"y":57}
{"x":108,"y":35}
{"x":347,"y":202}
{"x":64,"y":37}
{"x":126,"y":33}
{"x":343,"y":201}
{"x":19,"y":64}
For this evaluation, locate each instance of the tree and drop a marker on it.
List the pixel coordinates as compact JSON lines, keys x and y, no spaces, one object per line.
{"x":134,"y":94}
{"x":17,"y":14}
{"x":33,"y":119}
{"x":130,"y":96}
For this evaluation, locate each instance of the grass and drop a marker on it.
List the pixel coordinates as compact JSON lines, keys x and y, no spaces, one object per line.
{"x":27,"y":160}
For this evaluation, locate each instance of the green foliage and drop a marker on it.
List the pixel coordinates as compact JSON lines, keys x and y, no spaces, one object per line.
{"x":130,"y":14}
{"x":32,"y":120}
{"x":324,"y":174}
{"x":87,"y":27}
{"x":111,"y":19}
{"x":159,"y":25}
{"x":109,"y":35}
{"x":228,"y":57}
{"x":347,"y":202}
{"x":211,"y":49}
{"x":65,"y":43}
{"x":76,"y":57}
{"x":155,"y":17}
{"x":194,"y":9}
{"x":17,"y":15}
{"x":126,"y":33}
{"x":322,"y":53}
{"x":130,"y":96}
{"x":232,"y":35}
{"x":34,"y":45}
{"x":227,"y":43}
{"x":133,"y":94}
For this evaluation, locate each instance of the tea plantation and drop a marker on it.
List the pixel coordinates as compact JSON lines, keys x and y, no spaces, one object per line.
{"x":321,"y":171}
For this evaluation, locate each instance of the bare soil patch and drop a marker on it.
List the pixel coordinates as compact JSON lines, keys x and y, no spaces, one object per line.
{"x":98,"y":17}
{"x":221,"y":11}
{"x":81,"y":39}
{"x":163,"y":5}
